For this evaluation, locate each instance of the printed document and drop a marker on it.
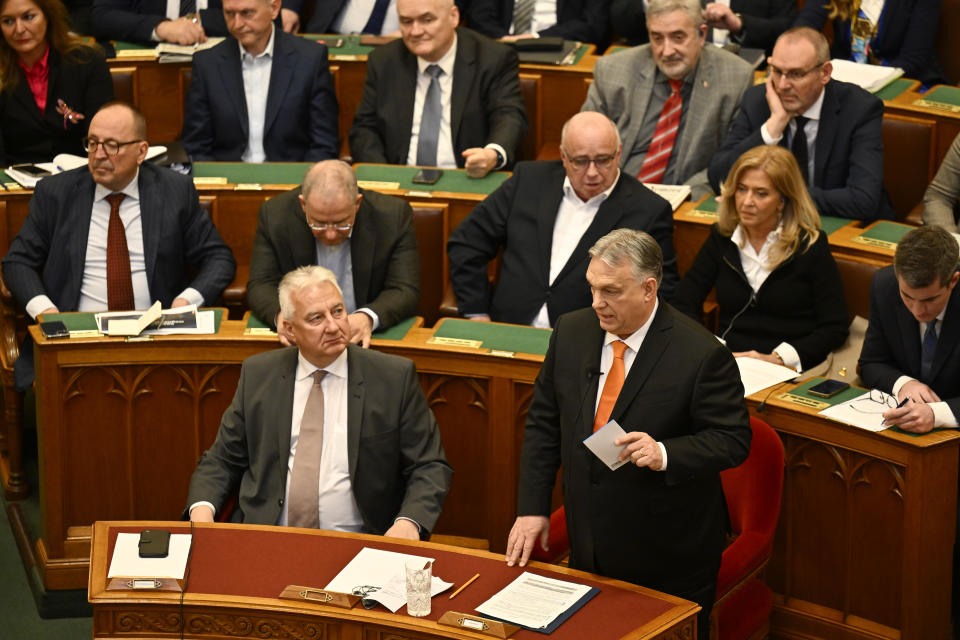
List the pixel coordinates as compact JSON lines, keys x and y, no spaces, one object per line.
{"x":758,"y":375}
{"x":864,"y":411}
{"x":533,"y":601}
{"x":385,"y":571}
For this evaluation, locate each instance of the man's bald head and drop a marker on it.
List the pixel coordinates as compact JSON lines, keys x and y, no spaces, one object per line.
{"x":590,"y":151}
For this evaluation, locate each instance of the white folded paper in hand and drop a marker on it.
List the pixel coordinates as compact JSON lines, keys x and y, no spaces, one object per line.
{"x":601,"y":443}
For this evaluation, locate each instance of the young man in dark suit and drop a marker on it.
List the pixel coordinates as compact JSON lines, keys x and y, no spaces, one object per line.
{"x":381,"y":467}
{"x":440,"y":97}
{"x":660,"y":520}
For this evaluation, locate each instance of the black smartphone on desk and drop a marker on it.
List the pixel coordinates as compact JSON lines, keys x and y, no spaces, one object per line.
{"x":154,"y":543}
{"x":54,"y":329}
{"x":427,"y":176}
{"x":828,"y":388}
{"x":31,"y":170}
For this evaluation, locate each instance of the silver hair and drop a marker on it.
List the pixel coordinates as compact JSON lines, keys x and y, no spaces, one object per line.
{"x":301,"y":278}
{"x":634,"y":247}
{"x":690,"y":7}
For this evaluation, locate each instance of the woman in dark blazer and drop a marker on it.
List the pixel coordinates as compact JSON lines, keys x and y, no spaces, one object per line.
{"x":51,"y":83}
{"x":777,"y":284}
{"x":901,"y":35}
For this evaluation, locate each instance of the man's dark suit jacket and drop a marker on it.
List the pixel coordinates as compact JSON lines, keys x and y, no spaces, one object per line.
{"x":135,"y":20}
{"x":892,"y":348}
{"x":383,"y":254}
{"x":48,"y":255}
{"x":583,"y":20}
{"x":848,"y":161}
{"x":519,"y":218}
{"x":397,"y":463}
{"x":486,"y":105}
{"x":659,"y":529}
{"x":301,"y":114}
{"x":27,"y":135}
{"x":763,"y":21}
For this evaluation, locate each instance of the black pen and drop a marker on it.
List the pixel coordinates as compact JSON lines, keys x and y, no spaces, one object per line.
{"x":905,"y":401}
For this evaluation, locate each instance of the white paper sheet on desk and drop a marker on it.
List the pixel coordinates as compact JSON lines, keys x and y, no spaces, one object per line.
{"x":127,"y":563}
{"x":862,"y":411}
{"x":758,"y":375}
{"x":383,"y":569}
{"x":601,"y":443}
{"x":533,"y":601}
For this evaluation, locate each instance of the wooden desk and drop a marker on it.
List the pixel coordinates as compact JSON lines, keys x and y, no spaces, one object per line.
{"x":864,"y":544}
{"x":227,"y":597}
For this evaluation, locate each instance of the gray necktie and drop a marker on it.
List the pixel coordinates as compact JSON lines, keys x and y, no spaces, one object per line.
{"x":303,"y":508}
{"x":430,"y":121}
{"x":522,"y":16}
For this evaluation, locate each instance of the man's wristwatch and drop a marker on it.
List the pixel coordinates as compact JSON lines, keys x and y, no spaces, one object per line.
{"x":500,"y":159}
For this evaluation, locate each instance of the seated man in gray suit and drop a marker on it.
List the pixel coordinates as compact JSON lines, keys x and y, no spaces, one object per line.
{"x":672,"y":99}
{"x":117,"y":234}
{"x":328,"y":425}
{"x":365,"y":238}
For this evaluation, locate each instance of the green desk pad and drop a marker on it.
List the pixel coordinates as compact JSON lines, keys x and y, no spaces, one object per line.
{"x":349,"y":45}
{"x":829,"y":224}
{"x":843,"y":396}
{"x":516,"y":338}
{"x":396,"y":332}
{"x":119,"y":45}
{"x":86,"y":321}
{"x":710,"y":205}
{"x":253,"y":173}
{"x":452,"y":180}
{"x":885,"y":231}
{"x":946,"y":98}
{"x":8,"y":180}
{"x":894,"y":89}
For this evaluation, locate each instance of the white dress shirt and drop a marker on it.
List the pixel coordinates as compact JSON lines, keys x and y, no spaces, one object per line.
{"x":93,"y":286}
{"x":339,"y":259}
{"x":633,"y":341}
{"x":573,"y":219}
{"x":810,"y":129}
{"x":755,"y":268}
{"x":355,"y":14}
{"x":544,"y":16}
{"x":942,"y":415}
{"x":256,"y":84}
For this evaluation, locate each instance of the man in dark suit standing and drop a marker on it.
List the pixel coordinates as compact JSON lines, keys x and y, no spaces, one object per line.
{"x":151,"y":21}
{"x":545,"y":218}
{"x":371,"y":441}
{"x":366,"y":238}
{"x":261,"y":95}
{"x":441,"y":97}
{"x":118,"y":234}
{"x":581,"y":20}
{"x":841,"y":150}
{"x":660,"y":520}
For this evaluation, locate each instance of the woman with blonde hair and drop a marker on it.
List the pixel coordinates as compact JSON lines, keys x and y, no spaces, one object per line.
{"x":51,"y":83}
{"x":777,"y":285}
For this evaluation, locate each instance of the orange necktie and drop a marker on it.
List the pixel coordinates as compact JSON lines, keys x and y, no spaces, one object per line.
{"x":611,"y":386}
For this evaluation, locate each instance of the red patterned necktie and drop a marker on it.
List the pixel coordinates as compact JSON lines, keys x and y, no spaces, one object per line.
{"x":119,"y":281}
{"x":658,"y":155}
{"x":611,"y":386}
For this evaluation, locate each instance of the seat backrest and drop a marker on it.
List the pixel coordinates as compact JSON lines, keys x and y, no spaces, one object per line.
{"x":530,"y":88}
{"x":124,"y":83}
{"x":429,"y":220}
{"x":909,"y":160}
{"x":753,"y":489}
{"x":856,"y":276}
{"x":946,"y":44}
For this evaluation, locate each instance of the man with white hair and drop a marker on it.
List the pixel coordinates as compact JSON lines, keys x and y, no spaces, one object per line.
{"x":672,"y":99}
{"x":325,"y":434}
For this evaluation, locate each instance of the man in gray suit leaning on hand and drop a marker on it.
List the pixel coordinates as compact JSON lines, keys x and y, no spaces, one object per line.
{"x":325,"y":434}
{"x":672,"y":99}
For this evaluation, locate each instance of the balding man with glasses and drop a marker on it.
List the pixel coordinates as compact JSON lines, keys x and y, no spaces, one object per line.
{"x":114,"y":235}
{"x":545,"y":218}
{"x":365,"y":238}
{"x":840,"y":151}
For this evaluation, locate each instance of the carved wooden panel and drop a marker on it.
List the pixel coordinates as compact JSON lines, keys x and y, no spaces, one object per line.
{"x":844,"y":511}
{"x":150,"y":621}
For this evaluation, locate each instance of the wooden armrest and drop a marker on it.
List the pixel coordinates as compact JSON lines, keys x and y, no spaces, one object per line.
{"x":915,"y":217}
{"x":448,"y":305}
{"x":9,"y":344}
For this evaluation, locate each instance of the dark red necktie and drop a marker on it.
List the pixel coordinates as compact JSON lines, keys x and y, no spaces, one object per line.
{"x":661,"y":147}
{"x":119,"y":281}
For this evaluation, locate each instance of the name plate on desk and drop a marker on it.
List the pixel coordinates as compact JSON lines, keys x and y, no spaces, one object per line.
{"x":209,"y":181}
{"x":259,"y":331}
{"x":248,"y":186}
{"x":377,"y":184}
{"x":874,"y":242}
{"x":456,"y":342}
{"x":485,"y":626}
{"x":319,"y":596}
{"x":803,"y":401}
{"x":145,"y":584}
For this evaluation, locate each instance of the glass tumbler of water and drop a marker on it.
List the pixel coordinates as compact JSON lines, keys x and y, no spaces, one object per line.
{"x":419,"y":577}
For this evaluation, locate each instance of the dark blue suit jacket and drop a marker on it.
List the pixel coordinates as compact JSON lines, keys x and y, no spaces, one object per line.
{"x":583,"y":20}
{"x":848,"y":161}
{"x":905,"y":36}
{"x":891,"y":347}
{"x":301,"y":117}
{"x":49,"y":253}
{"x":135,"y":20}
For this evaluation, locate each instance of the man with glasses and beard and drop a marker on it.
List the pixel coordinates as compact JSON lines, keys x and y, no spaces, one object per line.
{"x":841,"y":150}
{"x":545,"y":218}
{"x":115,"y":235}
{"x":366,"y":238}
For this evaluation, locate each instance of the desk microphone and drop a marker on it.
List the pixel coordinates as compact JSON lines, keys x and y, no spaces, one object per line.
{"x":752,"y":301}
